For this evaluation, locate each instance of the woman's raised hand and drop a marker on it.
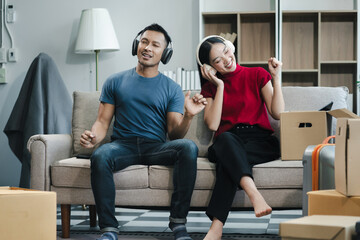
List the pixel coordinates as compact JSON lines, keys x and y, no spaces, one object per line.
{"x":209,"y":73}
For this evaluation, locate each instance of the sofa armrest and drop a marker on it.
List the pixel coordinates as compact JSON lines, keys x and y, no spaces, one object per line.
{"x":45,"y":149}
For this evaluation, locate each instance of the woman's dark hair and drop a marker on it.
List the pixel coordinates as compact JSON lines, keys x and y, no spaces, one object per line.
{"x":157,"y":28}
{"x":204,"y":52}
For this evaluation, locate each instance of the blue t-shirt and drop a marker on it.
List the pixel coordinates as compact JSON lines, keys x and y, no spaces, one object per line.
{"x":141,"y":104}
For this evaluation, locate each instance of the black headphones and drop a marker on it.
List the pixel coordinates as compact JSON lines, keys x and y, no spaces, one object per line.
{"x":166,"y":55}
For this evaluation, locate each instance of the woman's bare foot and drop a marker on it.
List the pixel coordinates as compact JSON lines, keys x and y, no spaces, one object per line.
{"x":212,"y":235}
{"x":261,"y":208}
{"x":215,"y":231}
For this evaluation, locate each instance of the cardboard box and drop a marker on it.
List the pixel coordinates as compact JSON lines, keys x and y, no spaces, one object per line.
{"x":331,"y":202}
{"x":301,"y":129}
{"x":347,"y":156}
{"x":27,"y":214}
{"x":319,"y":227}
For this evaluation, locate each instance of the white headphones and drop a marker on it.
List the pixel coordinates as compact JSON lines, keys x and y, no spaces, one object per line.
{"x":226,"y":42}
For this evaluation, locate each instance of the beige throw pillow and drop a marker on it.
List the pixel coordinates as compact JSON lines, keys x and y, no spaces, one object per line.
{"x":85,"y":110}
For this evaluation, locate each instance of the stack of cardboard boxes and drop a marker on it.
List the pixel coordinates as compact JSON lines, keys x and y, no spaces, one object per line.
{"x":332,"y":213}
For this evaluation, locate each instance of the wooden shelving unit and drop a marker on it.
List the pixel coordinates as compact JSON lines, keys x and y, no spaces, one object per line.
{"x":319,"y":49}
{"x":255,"y":41}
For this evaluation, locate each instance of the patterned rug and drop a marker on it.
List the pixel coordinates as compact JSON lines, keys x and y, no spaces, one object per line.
{"x":156,"y":221}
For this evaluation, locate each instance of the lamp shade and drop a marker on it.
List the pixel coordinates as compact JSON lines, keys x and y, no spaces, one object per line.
{"x":96,"y":32}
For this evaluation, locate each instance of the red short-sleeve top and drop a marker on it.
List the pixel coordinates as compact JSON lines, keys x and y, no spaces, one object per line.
{"x":242,"y":101}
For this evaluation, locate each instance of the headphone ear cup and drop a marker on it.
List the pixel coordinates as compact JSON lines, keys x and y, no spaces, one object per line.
{"x":230,"y":45}
{"x":134,"y":47}
{"x":165,"y":57}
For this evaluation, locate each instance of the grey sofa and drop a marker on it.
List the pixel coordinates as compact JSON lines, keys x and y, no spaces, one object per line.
{"x":54,"y":166}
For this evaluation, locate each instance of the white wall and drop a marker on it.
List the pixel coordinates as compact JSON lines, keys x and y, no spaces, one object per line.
{"x":325,"y":5}
{"x":50,"y":26}
{"x":237,"y":5}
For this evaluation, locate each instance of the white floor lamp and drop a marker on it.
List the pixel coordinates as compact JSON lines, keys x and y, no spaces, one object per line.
{"x":96,"y":33}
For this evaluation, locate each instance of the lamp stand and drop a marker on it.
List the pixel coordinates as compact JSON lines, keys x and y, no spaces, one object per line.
{"x":97,"y":60}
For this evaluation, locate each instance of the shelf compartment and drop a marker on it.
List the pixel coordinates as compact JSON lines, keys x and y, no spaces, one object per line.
{"x":257,"y":64}
{"x":257,"y":37}
{"x":214,"y":24}
{"x":303,"y":79}
{"x":339,"y":62}
{"x":338,"y":36}
{"x":254,"y":63}
{"x":300,"y":40}
{"x":333,"y":75}
{"x":300,"y":71}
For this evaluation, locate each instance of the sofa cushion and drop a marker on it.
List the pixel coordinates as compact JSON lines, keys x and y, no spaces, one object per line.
{"x":160,"y":176}
{"x":75,"y":173}
{"x":278,"y":174}
{"x":314,"y":98}
{"x":85,"y":109}
{"x":200,"y":134}
{"x":275,"y":174}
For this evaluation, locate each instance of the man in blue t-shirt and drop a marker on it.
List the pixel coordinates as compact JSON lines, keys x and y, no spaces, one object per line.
{"x":147,"y":105}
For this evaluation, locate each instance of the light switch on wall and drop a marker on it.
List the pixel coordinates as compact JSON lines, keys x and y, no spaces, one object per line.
{"x":10,"y":13}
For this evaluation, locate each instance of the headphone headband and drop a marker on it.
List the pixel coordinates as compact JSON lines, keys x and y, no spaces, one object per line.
{"x":167,"y":37}
{"x":226,"y":42}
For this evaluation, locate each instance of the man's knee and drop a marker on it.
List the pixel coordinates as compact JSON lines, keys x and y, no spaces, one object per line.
{"x":99,"y":159}
{"x":189,"y":148}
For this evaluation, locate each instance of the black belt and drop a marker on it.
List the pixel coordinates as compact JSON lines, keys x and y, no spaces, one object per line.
{"x":243,"y":126}
{"x":251,"y":129}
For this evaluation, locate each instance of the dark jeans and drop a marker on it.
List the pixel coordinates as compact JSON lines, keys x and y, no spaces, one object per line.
{"x":235,"y":153}
{"x":119,"y":154}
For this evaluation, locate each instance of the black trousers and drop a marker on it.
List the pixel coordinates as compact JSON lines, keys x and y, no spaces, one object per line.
{"x":235,"y":153}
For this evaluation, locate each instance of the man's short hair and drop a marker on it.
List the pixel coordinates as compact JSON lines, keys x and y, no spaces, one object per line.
{"x":156,"y":27}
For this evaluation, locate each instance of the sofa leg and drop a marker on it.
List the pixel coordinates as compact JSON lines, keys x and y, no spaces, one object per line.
{"x":65,"y":220}
{"x":92,"y":213}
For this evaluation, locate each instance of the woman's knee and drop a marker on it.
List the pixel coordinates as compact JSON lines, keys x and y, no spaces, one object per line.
{"x":225,"y":137}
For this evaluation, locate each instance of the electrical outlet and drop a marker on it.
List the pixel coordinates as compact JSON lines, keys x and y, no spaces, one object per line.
{"x":12,"y":55}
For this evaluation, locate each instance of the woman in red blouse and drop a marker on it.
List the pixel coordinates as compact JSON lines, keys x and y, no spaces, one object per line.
{"x":239,"y":100}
